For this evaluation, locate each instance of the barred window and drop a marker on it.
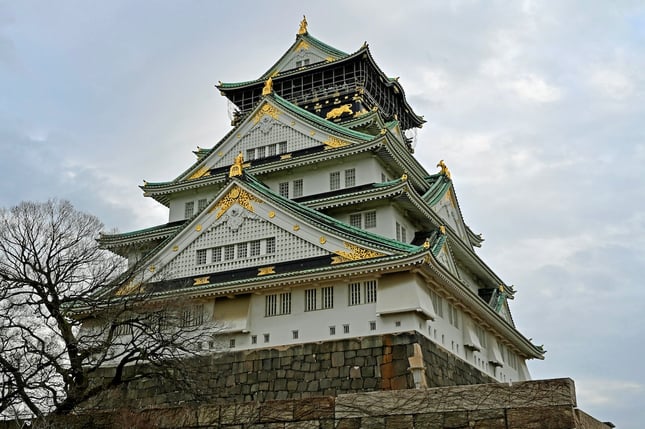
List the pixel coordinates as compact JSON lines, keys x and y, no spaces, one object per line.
{"x":231,"y":343}
{"x":297,"y":188}
{"x":327,"y":297}
{"x":201,"y":204}
{"x":285,"y":303}
{"x":310,"y":299}
{"x":372,"y":325}
{"x":282,"y":146}
{"x":370,"y":291}
{"x":255,"y":248}
{"x":254,"y":339}
{"x":346,"y":329}
{"x":216,"y":255}
{"x":192,"y":316}
{"x":332,"y":330}
{"x":189,"y":209}
{"x":283,"y":189}
{"x":242,"y":249}
{"x":259,"y":152}
{"x":229,"y":252}
{"x":294,"y":334}
{"x":354,"y":293}
{"x":334,"y":180}
{"x":250,"y":154}
{"x":201,"y":256}
{"x":401,"y":233}
{"x":356,"y":220}
{"x":370,"y":219}
{"x":437,"y":303}
{"x":350,"y":177}
{"x":277,"y":304}
{"x":270,"y":245}
{"x":271,"y":150}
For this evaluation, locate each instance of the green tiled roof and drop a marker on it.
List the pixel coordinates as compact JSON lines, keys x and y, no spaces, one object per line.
{"x":327,"y":221}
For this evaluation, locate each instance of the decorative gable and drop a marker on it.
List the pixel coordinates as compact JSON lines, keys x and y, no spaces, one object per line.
{"x":270,"y":131}
{"x":242,"y":229}
{"x":448,"y":209}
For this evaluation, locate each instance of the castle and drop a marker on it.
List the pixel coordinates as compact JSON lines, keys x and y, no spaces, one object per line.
{"x":311,"y":221}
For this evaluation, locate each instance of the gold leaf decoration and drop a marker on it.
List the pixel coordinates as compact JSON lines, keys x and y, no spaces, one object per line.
{"x":355,"y":253}
{"x":129,"y":288}
{"x":302,"y":46}
{"x":198,"y":281}
{"x":334,"y":142}
{"x":267,"y":109}
{"x":204,"y":171}
{"x":263,"y":271}
{"x":235,"y":195}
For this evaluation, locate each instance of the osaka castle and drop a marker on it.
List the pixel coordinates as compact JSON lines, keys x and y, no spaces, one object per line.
{"x":311,"y":221}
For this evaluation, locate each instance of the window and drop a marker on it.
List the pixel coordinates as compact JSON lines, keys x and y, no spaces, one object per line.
{"x":254,"y":339}
{"x":362,"y":293}
{"x":327,"y":297}
{"x":437,"y":303}
{"x":397,"y":323}
{"x":283,"y":189}
{"x":356,"y":220}
{"x":259,"y":152}
{"x":346,"y":329}
{"x":267,"y":337}
{"x":231,"y":343}
{"x":332,"y":330}
{"x":453,"y":315}
{"x":282,"y":146}
{"x":302,"y":63}
{"x":255,"y":248}
{"x":481,"y":334}
{"x":294,"y":335}
{"x":270,"y":245}
{"x":123,"y":329}
{"x":297,"y":188}
{"x":285,"y":303}
{"x":189,"y":209}
{"x":271,"y":305}
{"x":370,"y":219}
{"x":334,"y":180}
{"x":216,"y":255}
{"x":201,"y":256}
{"x":272,"y":301}
{"x":229,"y":252}
{"x":310,"y":299}
{"x":372,"y":325}
{"x":401,"y":233}
{"x":370,"y":291}
{"x":250,"y":154}
{"x":354,"y":293}
{"x":201,"y":204}
{"x":271,"y":150}
{"x":350,"y":177}
{"x":192,"y":316}
{"x":242,"y":250}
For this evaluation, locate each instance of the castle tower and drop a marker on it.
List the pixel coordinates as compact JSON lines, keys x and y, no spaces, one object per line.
{"x":311,"y":221}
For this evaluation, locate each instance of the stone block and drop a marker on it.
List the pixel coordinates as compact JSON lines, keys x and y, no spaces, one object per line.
{"x":404,"y":421}
{"x":276,"y":411}
{"x":553,"y":417}
{"x":337,"y":359}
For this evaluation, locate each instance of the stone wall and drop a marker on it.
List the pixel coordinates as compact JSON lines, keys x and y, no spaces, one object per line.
{"x":543,"y":404}
{"x":304,"y":371}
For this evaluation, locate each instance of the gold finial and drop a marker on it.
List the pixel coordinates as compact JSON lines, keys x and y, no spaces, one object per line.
{"x":426,"y":244}
{"x":268,"y":87}
{"x":444,"y":169}
{"x":442,"y":229}
{"x":303,"y":26}
{"x":236,"y":168}
{"x":404,"y":177}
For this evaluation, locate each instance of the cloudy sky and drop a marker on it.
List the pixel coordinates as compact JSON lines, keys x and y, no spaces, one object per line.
{"x":536,"y":107}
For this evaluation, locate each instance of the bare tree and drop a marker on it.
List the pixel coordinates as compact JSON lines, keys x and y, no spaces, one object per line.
{"x":59,"y":325}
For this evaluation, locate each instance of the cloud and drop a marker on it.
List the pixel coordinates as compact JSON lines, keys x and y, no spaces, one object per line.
{"x":606,"y":391}
{"x":534,"y":88}
{"x":611,"y":83}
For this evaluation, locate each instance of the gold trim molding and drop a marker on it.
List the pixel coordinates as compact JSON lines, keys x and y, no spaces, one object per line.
{"x":356,"y":253}
{"x":235,"y":195}
{"x":334,"y":142}
{"x":199,"y":281}
{"x":267,"y":109}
